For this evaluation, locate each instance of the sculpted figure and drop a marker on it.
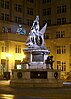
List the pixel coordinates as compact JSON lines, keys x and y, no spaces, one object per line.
{"x":36,"y":36}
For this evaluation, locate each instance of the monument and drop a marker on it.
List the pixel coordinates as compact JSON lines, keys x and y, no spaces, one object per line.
{"x":37,"y":68}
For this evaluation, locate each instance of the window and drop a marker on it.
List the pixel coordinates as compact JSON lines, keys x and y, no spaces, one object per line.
{"x":29,"y":22}
{"x":18,"y":8}
{"x":18,"y":49}
{"x":47,"y":21}
{"x":15,"y":7}
{"x":61,"y":65}
{"x":46,"y":36}
{"x":61,"y":9}
{"x":70,"y":49}
{"x":17,"y":62}
{"x":31,"y":1}
{"x":4,"y":17}
{"x":61,"y":21}
{"x":47,"y":11}
{"x":44,"y":12}
{"x":18,"y":19}
{"x":4,"y":4}
{"x":44,"y":22}
{"x":58,"y":49}
{"x":64,"y":9}
{"x":46,"y":1}
{"x":60,"y":34}
{"x":3,"y":47}
{"x":58,"y":65}
{"x":61,"y":49}
{"x":58,"y":21}
{"x":30,"y":11}
{"x":3,"y":62}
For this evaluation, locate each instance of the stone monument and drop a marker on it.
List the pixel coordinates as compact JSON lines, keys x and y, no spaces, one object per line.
{"x":37,"y":68}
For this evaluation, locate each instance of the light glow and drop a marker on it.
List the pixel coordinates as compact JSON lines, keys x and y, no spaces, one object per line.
{"x":8,"y":55}
{"x":24,"y":56}
{"x":18,"y":66}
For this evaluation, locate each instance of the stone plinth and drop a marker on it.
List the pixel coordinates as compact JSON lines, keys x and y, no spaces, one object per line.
{"x":36,"y":78}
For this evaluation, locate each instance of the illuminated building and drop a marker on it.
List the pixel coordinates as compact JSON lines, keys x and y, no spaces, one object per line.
{"x":11,"y":51}
{"x":57,"y":14}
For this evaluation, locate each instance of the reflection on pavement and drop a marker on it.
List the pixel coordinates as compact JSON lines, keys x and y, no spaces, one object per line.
{"x":67,"y":83}
{"x":6,"y":96}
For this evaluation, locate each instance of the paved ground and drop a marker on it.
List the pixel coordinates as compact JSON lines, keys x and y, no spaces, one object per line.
{"x":6,"y":92}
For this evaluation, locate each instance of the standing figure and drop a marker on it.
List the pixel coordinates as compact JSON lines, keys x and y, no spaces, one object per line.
{"x":36,"y":36}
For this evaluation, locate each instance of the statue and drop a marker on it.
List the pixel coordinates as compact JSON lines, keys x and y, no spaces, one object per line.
{"x":37,"y":70}
{"x":21,"y":30}
{"x":36,"y":36}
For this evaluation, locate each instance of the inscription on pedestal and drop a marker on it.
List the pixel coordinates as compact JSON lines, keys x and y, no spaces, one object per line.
{"x":38,"y":75}
{"x":37,"y":58}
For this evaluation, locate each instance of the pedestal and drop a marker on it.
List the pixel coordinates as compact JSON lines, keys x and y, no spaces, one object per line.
{"x":36,"y":78}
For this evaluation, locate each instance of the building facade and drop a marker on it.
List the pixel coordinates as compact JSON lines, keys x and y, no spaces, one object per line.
{"x":56,"y":13}
{"x":11,"y":51}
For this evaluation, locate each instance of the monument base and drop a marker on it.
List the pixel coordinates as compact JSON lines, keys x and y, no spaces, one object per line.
{"x":36,"y":78}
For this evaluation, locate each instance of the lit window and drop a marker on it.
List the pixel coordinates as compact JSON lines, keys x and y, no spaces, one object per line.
{"x":17,"y":62}
{"x":58,"y":65}
{"x":61,"y":49}
{"x":61,"y":21}
{"x":46,"y":36}
{"x":60,"y":34}
{"x":61,"y":65}
{"x":18,"y":49}
{"x":58,"y":49}
{"x":3,"y":47}
{"x":70,"y":49}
